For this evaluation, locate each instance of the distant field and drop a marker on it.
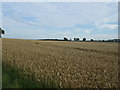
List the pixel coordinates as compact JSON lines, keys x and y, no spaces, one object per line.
{"x":63,"y":63}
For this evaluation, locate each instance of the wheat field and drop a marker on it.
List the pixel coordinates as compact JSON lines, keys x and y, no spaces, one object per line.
{"x":68,"y":64}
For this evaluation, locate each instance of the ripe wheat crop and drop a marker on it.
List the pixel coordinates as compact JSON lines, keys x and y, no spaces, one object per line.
{"x":67,"y":64}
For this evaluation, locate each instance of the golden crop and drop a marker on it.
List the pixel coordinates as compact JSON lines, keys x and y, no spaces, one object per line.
{"x":71,"y":64}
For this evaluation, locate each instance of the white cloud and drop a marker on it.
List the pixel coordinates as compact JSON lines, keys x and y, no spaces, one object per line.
{"x":58,"y":14}
{"x":87,"y":31}
{"x":84,"y":30}
{"x":105,"y":36}
{"x":109,"y":26}
{"x":50,"y":17}
{"x":60,"y":0}
{"x":16,"y":29}
{"x":0,"y":14}
{"x":108,"y":23}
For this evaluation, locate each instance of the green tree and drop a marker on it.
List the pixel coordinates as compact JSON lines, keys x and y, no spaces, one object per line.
{"x":84,"y":39}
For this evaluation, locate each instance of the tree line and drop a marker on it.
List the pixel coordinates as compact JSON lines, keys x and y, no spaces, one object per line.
{"x":84,"y":39}
{"x":76,"y":39}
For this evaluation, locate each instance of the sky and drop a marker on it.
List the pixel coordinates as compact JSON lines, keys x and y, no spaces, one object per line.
{"x":56,"y":20}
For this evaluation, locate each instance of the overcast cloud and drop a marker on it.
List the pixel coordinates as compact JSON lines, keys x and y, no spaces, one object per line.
{"x":56,"y":20}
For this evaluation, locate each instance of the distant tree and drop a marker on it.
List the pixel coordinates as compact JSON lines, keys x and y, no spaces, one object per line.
{"x":76,"y":39}
{"x":65,"y":39}
{"x":103,"y":40}
{"x":70,"y":39}
{"x":84,"y":39}
{"x":92,"y":40}
{"x":1,"y":32}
